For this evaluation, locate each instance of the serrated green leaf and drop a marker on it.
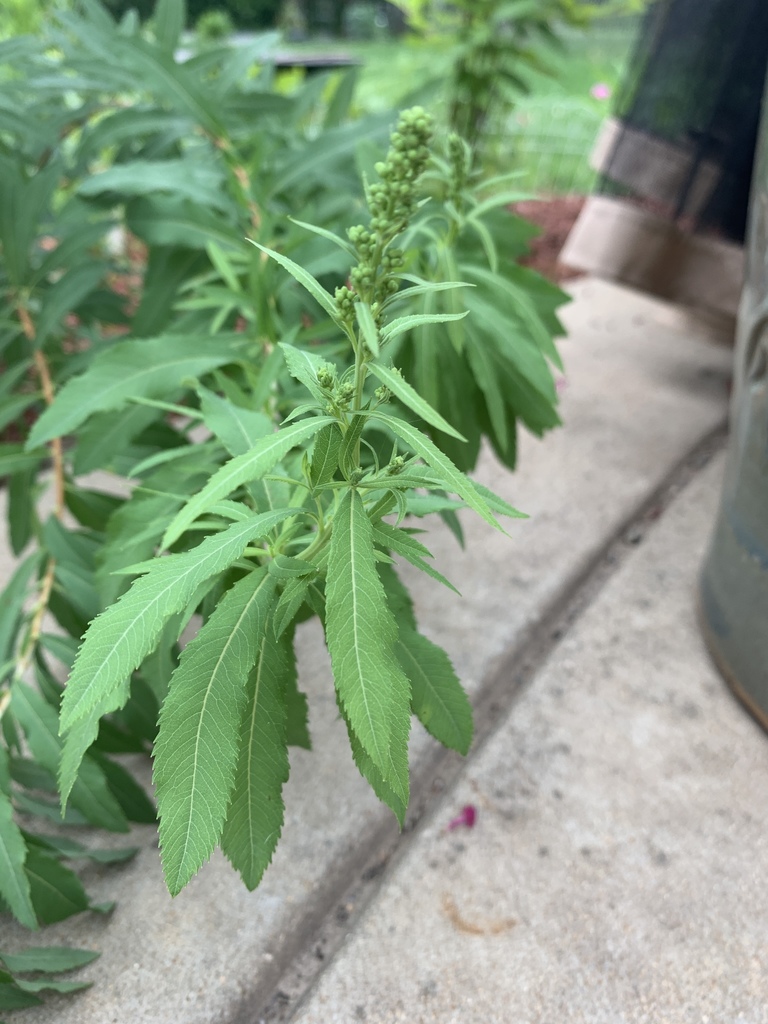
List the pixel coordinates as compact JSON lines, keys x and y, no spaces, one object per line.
{"x":374,"y":777}
{"x":400,"y":387}
{"x":237,"y":428}
{"x":90,"y":794}
{"x":305,"y":279}
{"x":327,"y":235}
{"x":48,"y":959}
{"x":198,"y":180}
{"x":196,"y":751}
{"x":262,"y":457}
{"x":14,"y":884}
{"x":407,"y":323}
{"x":304,"y":366}
{"x":455,"y":480}
{"x":289,"y":603}
{"x":437,"y":697}
{"x":119,"y":639}
{"x":296,"y":706}
{"x":148,"y":368}
{"x":498,"y":504}
{"x":360,"y":633}
{"x":394,"y":539}
{"x":368,"y":326}
{"x":325,"y":456}
{"x":255,"y":816}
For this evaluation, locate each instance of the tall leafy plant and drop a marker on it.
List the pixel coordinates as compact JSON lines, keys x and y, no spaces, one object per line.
{"x":143,"y":335}
{"x":293,"y":523}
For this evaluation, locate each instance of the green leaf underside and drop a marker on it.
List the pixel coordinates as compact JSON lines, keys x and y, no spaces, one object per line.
{"x":255,"y":816}
{"x":196,"y":750}
{"x":263,"y":457}
{"x":325,"y":457}
{"x":119,"y":639}
{"x":148,"y":368}
{"x":411,"y":398}
{"x":361,"y":633}
{"x":437,"y":697}
{"x":304,"y":366}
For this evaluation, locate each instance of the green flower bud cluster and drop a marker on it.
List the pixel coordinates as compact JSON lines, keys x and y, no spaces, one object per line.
{"x":345,"y":300}
{"x":344,"y":393}
{"x":382,"y":393}
{"x":391,"y":201}
{"x":326,"y":378}
{"x":396,"y":465}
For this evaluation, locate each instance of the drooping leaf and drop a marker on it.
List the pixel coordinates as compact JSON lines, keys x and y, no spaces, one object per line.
{"x":197,"y":746}
{"x":14,"y":884}
{"x":361,"y":632}
{"x":48,"y":959}
{"x":12,"y":996}
{"x":90,"y":794}
{"x":57,"y":892}
{"x":392,"y":538}
{"x":255,"y":816}
{"x":437,"y":697}
{"x":148,"y":368}
{"x":120,"y":638}
{"x":261,"y":458}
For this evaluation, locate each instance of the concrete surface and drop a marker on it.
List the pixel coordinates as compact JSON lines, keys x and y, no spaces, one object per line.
{"x":643,"y":388}
{"x":616,"y":871}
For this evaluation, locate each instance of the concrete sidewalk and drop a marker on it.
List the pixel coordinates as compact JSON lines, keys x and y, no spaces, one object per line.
{"x":616,"y":871}
{"x":645,"y":388}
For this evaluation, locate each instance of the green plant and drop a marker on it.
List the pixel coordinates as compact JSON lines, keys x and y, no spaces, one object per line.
{"x":135,"y":315}
{"x":214,"y":25}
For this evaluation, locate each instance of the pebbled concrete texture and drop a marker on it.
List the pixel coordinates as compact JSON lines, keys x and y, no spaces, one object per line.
{"x":616,"y":871}
{"x":643,"y":387}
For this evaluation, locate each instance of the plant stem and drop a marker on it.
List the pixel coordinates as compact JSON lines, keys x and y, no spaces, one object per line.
{"x":44,"y":375}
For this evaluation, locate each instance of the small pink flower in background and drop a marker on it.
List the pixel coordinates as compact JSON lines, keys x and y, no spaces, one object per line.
{"x":466,"y":819}
{"x":560,"y":385}
{"x":600,"y":91}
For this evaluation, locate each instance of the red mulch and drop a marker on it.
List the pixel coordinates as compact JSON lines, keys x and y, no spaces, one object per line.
{"x":556,"y":217}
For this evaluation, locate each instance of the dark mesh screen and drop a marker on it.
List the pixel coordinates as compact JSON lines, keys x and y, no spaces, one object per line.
{"x":688,"y":114}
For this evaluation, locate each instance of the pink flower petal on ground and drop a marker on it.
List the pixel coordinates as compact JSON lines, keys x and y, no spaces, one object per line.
{"x":466,"y":819}
{"x":600,"y":91}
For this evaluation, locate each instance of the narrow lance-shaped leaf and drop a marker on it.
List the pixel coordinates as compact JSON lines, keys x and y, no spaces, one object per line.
{"x":305,"y":279}
{"x":148,"y":368}
{"x":253,"y":464}
{"x":120,"y":638}
{"x":197,"y":746}
{"x":304,"y":366}
{"x":14,"y":884}
{"x":325,"y":457}
{"x":255,"y":816}
{"x":408,"y":395}
{"x":90,"y":793}
{"x":238,"y":429}
{"x":49,"y":959}
{"x":361,"y":632}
